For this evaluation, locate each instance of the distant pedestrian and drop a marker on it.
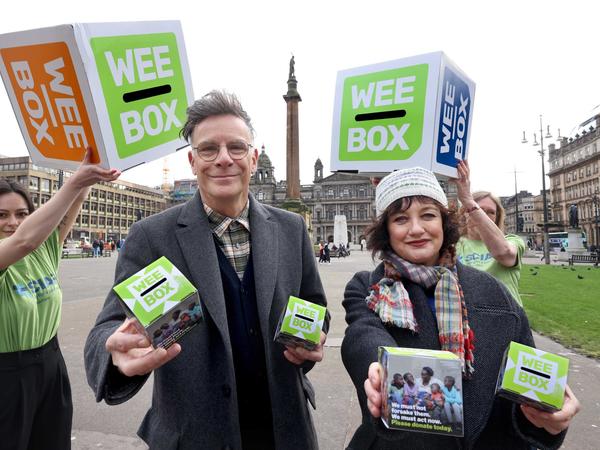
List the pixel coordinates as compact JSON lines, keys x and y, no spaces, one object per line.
{"x":95,"y":248}
{"x":363,"y":244}
{"x":326,"y":253}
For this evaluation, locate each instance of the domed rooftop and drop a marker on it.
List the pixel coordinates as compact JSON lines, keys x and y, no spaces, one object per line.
{"x":263,"y":158}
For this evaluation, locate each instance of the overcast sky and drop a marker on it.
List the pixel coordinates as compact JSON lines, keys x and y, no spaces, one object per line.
{"x":526,"y":57}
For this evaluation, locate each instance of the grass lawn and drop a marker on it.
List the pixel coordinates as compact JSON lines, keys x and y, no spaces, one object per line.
{"x":564,"y":304}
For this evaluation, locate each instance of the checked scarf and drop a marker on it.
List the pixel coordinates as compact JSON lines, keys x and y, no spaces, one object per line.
{"x":389,"y":299}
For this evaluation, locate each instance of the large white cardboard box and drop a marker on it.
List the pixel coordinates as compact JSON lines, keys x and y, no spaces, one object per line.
{"x":404,"y":113}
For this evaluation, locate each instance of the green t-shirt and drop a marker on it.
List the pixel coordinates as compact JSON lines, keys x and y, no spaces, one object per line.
{"x":30,"y":298}
{"x":475,"y":254}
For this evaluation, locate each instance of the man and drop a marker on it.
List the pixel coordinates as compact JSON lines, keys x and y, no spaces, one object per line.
{"x":226,"y":384}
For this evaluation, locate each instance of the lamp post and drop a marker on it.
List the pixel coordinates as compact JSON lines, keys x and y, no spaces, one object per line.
{"x":596,"y":202}
{"x":545,"y":205}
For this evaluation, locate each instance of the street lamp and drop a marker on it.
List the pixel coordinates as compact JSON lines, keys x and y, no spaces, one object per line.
{"x":596,"y":202}
{"x":541,"y":152}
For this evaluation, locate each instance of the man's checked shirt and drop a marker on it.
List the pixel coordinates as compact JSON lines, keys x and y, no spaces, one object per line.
{"x":233,"y":236}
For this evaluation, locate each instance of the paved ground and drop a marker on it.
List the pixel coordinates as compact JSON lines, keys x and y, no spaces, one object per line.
{"x":98,"y":426}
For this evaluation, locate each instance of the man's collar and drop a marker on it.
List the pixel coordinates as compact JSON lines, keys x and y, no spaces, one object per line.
{"x":219,"y":223}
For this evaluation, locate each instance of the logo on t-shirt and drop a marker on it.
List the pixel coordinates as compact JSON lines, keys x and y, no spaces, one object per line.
{"x":40,"y":288}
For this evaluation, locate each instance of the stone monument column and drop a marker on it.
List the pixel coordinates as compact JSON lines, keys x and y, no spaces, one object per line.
{"x":293,"y":149}
{"x":293,"y":201}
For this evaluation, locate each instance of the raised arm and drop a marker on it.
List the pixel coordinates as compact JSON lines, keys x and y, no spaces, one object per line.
{"x":501,"y":250}
{"x":66,"y":223}
{"x":36,"y":228}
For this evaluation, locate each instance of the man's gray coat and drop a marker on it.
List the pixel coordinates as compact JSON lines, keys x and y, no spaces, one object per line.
{"x":194,"y":403}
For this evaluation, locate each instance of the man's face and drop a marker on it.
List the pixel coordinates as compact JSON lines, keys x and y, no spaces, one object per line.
{"x":223,"y":182}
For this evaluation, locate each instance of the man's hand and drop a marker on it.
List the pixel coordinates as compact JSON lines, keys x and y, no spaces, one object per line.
{"x":373,"y":389}
{"x":555,"y":422}
{"x":133,"y":355}
{"x":299,"y":355}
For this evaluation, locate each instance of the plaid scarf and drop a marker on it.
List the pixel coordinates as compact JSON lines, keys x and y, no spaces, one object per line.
{"x":389,"y":299}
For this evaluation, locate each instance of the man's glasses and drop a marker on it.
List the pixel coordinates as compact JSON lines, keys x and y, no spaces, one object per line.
{"x":237,"y":150}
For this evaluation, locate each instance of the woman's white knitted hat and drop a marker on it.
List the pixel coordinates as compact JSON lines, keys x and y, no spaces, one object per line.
{"x":408,"y":183}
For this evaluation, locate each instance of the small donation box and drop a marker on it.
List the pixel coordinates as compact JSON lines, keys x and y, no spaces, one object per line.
{"x":164,"y":302}
{"x":533,"y":377}
{"x":301,"y":324}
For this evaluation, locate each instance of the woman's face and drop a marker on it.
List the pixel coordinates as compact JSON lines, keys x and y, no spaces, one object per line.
{"x":425,"y":376}
{"x":13,"y":211}
{"x":489,"y":207}
{"x":416,"y":234}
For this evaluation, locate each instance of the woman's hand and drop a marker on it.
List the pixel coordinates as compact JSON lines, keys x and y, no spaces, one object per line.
{"x":463,"y":184}
{"x":89,"y":174}
{"x":555,"y":422}
{"x":373,"y":389}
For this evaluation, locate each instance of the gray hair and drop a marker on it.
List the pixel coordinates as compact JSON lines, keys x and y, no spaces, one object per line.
{"x":215,"y":103}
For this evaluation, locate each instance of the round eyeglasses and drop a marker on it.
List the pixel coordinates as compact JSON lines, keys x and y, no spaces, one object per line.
{"x":236,"y":150}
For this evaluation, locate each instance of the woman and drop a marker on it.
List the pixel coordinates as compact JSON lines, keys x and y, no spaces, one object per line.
{"x":401,"y":304}
{"x":35,"y":395}
{"x":485,"y":247}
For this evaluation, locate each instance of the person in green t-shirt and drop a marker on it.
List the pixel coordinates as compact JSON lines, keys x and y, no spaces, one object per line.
{"x":35,"y":396}
{"x":483,"y":244}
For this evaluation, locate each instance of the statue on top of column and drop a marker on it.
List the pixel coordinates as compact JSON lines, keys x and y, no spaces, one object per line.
{"x":292,"y":73}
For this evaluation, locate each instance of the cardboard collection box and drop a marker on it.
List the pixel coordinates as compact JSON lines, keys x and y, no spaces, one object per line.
{"x":301,"y":324}
{"x":404,"y":113}
{"x":413,"y":404}
{"x":121,"y":88}
{"x":533,"y":377}
{"x":165,"y":304}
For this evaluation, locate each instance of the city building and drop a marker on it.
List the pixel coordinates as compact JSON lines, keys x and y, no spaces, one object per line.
{"x":351,"y":195}
{"x":348,"y":194}
{"x":108,"y":212}
{"x":575,"y":178}
{"x":531,"y":216}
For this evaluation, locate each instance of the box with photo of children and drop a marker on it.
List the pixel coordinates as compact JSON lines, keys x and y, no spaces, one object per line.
{"x":423,"y":390}
{"x":164,"y":302}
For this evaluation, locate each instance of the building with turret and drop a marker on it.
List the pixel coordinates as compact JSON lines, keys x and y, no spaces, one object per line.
{"x":346,"y":194}
{"x":575,"y":177}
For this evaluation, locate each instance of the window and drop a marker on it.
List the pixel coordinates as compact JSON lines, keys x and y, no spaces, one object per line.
{"x":34,"y":182}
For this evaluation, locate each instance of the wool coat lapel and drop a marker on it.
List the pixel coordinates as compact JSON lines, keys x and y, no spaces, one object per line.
{"x":264,"y":234}
{"x":198,"y":248}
